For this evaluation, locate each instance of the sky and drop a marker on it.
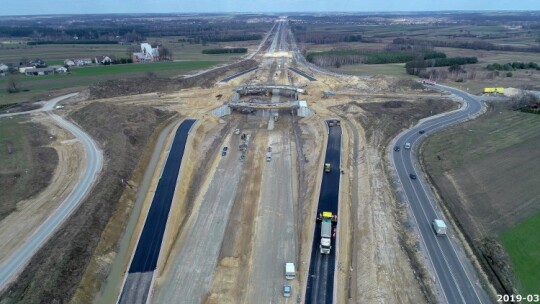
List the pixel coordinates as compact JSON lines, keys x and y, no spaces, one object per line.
{"x":39,"y":7}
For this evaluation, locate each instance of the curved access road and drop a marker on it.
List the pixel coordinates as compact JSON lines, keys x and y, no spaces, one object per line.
{"x":453,"y":271}
{"x":94,"y":162}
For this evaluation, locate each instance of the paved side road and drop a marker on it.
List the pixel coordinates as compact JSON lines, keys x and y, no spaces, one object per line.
{"x":94,"y":163}
{"x":454,"y":273}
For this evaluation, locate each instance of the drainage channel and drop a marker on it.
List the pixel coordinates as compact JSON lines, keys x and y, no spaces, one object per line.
{"x":320,"y":284}
{"x":138,"y":281}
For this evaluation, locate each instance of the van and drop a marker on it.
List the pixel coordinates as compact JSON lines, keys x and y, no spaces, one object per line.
{"x":407,"y":145}
{"x":290,"y":273}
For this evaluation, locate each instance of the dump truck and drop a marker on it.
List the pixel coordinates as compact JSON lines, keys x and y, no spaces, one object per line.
{"x":439,"y":227}
{"x":290,"y":273}
{"x":326,"y":233}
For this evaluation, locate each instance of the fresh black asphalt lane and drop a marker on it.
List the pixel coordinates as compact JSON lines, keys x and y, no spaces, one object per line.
{"x":240,"y":74}
{"x":147,"y":252}
{"x":297,"y":71}
{"x":320,"y":285}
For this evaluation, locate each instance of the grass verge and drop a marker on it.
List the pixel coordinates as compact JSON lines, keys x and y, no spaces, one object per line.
{"x":522,"y":243}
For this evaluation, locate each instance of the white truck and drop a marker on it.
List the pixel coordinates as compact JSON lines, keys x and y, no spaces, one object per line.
{"x":290,"y":272}
{"x":439,"y":227}
{"x":326,"y":235}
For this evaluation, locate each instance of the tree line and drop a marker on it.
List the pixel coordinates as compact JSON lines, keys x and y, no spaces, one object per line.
{"x":513,"y":66}
{"x":337,"y":58}
{"x":474,"y":45}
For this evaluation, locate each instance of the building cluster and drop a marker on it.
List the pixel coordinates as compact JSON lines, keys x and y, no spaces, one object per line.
{"x":38,"y":67}
{"x":147,"y":54}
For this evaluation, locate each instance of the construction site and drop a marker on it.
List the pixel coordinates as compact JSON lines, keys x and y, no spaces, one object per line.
{"x":272,"y":162}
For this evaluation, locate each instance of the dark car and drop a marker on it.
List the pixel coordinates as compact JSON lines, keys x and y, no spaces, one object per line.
{"x":422,"y":131}
{"x":396,"y":148}
{"x":412,"y":176}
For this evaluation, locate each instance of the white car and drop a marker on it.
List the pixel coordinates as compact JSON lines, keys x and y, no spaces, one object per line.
{"x":287,"y":290}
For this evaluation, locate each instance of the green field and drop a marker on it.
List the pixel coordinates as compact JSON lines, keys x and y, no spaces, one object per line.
{"x":88,"y":75}
{"x":522,"y":243}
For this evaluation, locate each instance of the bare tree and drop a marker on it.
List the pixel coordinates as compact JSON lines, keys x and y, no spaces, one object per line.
{"x":132,"y":49}
{"x":13,"y":83}
{"x":165,"y":53}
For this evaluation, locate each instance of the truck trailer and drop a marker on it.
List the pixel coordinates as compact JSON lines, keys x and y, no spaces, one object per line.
{"x":326,"y":233}
{"x":439,"y":227}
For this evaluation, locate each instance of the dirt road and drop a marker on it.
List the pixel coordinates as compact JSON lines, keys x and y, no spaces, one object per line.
{"x":275,"y":234}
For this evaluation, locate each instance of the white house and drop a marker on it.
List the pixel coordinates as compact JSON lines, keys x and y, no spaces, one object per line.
{"x":83,"y":61}
{"x":69,"y":62}
{"x":147,"y":53}
{"x":58,"y":69}
{"x":3,"y":68}
{"x":105,"y":59}
{"x":38,"y":71}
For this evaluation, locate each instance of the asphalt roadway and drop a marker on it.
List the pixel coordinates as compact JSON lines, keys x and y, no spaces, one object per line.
{"x":297,"y":71}
{"x":147,"y":252}
{"x":453,"y":270}
{"x":94,"y":163}
{"x":320,"y":285}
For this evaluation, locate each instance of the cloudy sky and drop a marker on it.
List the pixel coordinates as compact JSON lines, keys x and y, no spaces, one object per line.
{"x":33,"y":7}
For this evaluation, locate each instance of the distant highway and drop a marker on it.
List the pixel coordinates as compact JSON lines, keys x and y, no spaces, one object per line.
{"x":320,"y":284}
{"x":454,"y":272}
{"x":94,"y":163}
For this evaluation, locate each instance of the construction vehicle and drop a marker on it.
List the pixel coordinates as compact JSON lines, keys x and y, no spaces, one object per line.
{"x":290,"y":273}
{"x":439,"y":227}
{"x":326,"y":233}
{"x":327,"y":168}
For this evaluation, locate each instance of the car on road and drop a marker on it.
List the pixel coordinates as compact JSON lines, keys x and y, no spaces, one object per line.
{"x":224,"y":151}
{"x":412,"y":176}
{"x":397,"y":148}
{"x":422,"y":131}
{"x":327,"y":167}
{"x":407,"y":145}
{"x":287,"y":290}
{"x":237,"y":131}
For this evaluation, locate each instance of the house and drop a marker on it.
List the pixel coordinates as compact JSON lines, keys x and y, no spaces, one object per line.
{"x":23,"y":68}
{"x":38,"y":71}
{"x":3,"y":68}
{"x":147,"y":54}
{"x":105,"y":59}
{"x":83,"y":61}
{"x":38,"y":63}
{"x":58,"y":69}
{"x":69,"y":62}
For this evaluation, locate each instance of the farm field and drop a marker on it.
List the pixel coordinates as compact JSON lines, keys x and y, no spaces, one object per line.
{"x":522,"y":244}
{"x":483,"y":172}
{"x":476,"y":77}
{"x":486,"y":175}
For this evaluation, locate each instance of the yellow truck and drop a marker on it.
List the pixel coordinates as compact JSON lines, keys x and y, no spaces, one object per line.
{"x":493,"y":90}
